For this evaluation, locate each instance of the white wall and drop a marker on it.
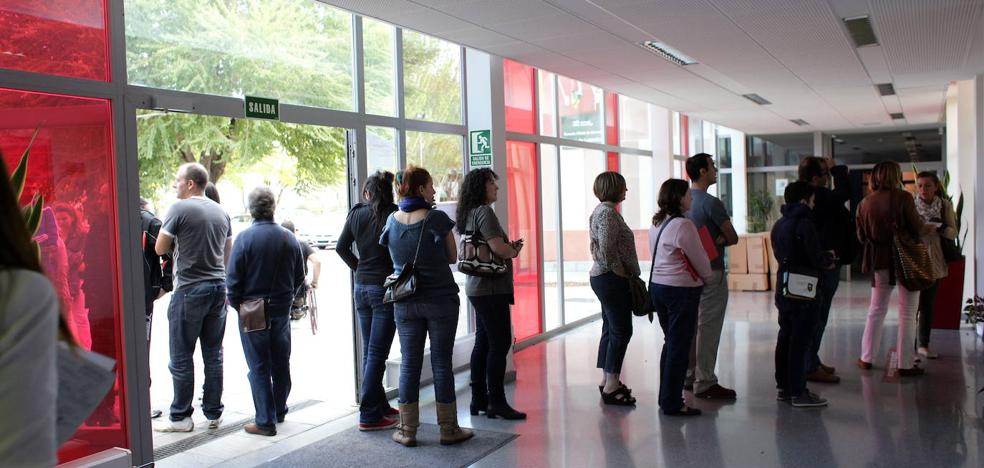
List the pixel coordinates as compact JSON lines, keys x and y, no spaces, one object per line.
{"x":965,"y":147}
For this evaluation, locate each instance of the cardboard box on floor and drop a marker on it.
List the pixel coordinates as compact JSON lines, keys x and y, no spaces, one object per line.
{"x":738,"y":257}
{"x":748,"y":282}
{"x":758,"y":263}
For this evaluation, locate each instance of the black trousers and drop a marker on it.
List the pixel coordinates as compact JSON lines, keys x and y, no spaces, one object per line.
{"x":927,"y":299}
{"x":797,"y":322}
{"x":493,"y":338}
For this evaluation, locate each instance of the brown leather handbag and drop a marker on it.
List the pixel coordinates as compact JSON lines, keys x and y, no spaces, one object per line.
{"x":913,"y":266}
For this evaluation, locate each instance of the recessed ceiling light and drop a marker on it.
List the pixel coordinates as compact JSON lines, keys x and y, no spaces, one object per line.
{"x":800,"y":122}
{"x":897,"y":116}
{"x":668,"y":53}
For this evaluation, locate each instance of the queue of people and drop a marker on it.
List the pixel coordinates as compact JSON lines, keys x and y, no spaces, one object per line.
{"x":401,"y":252}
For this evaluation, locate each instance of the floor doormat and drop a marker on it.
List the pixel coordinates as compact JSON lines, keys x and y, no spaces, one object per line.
{"x":354,"y":448}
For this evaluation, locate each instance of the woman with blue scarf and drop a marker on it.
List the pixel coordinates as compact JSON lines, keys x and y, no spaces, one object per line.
{"x":421,"y":236}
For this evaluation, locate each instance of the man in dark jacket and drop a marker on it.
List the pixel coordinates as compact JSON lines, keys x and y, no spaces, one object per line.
{"x":797,"y":246}
{"x":156,"y":269}
{"x":266,"y":263}
{"x":835,"y":226}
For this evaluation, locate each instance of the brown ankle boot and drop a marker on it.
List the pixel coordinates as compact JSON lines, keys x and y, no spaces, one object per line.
{"x":406,"y":431}
{"x":447,"y":418}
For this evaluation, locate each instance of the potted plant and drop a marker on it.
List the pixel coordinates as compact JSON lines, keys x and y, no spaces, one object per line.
{"x":974,"y":311}
{"x":760,"y":205}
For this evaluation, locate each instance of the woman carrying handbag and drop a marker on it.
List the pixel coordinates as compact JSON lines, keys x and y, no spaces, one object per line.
{"x":886,"y":216}
{"x":680,"y":267}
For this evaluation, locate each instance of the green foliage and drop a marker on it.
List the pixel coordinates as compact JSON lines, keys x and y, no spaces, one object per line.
{"x":760,"y":205}
{"x":299,"y":52}
{"x":32,"y":211}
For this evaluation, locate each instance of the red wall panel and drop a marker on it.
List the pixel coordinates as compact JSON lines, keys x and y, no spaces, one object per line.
{"x":524,"y":223}
{"x":519,"y":84}
{"x":57,"y":37}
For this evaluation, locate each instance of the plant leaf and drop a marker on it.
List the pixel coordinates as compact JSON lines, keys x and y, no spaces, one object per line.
{"x":20,"y":173}
{"x":34,"y":215}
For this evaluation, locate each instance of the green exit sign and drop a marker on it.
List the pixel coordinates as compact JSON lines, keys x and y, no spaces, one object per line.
{"x":262,"y":108}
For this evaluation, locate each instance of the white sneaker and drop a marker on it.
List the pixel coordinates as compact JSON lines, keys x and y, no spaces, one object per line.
{"x":925,"y":352}
{"x":214,"y":423}
{"x":184,"y":425}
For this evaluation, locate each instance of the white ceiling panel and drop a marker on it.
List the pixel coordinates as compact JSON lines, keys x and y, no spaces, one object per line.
{"x":795,"y":53}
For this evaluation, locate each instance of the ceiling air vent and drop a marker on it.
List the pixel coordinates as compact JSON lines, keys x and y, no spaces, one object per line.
{"x":756,"y":99}
{"x":886,"y":89}
{"x":668,"y":53}
{"x":861,"y":31}
{"x":897,"y":116}
{"x":800,"y":122}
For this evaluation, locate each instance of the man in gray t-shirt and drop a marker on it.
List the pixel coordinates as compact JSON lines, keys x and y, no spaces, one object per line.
{"x":200,"y":234}
{"x":706,"y":211}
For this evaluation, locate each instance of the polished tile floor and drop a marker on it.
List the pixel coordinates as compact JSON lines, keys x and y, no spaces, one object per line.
{"x":873,"y":420}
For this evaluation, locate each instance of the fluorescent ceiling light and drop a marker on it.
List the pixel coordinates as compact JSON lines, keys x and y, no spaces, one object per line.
{"x":668,"y":53}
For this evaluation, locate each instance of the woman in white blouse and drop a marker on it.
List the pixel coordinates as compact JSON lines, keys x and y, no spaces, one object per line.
{"x":680,"y":267}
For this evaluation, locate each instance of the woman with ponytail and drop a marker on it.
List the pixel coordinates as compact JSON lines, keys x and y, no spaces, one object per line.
{"x":30,"y":327}
{"x":362,"y":227}
{"x":421,"y":236}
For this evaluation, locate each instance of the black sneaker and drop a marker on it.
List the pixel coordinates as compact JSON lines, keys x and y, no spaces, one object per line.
{"x":808,"y":399}
{"x":781,"y":395}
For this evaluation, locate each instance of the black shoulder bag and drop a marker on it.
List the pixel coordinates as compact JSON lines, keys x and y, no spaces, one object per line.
{"x":253,"y":313}
{"x":660,"y":311}
{"x":402,"y":285}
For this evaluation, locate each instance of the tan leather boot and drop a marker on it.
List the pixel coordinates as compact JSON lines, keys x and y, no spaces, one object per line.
{"x":406,"y":431}
{"x":447,"y":418}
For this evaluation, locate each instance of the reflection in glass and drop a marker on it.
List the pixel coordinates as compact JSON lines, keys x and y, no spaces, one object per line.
{"x":639,"y":205}
{"x":441,"y":155}
{"x":524,"y":215}
{"x":578,"y":169}
{"x":431,"y":79}
{"x":581,"y":116}
{"x":57,"y":37}
{"x":298,"y":51}
{"x":634,"y":123}
{"x":547,"y":93}
{"x":381,"y":149}
{"x":379,"y":46}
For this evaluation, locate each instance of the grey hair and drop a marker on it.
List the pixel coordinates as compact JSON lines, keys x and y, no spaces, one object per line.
{"x":262,"y":203}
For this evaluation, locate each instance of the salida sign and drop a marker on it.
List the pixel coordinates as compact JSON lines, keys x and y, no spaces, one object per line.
{"x":262,"y":108}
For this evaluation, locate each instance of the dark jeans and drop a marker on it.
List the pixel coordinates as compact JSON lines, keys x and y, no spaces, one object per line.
{"x":268,"y":358}
{"x":616,"y":320}
{"x":829,"y":280}
{"x":797,"y":322}
{"x":197,"y":312}
{"x":377,"y":327}
{"x":414,"y":322}
{"x":677,"y":308}
{"x":493,"y":338}
{"x":927,"y":299}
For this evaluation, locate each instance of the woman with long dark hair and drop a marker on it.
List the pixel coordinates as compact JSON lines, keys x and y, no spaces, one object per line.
{"x":421,"y":236}
{"x":30,"y":326}
{"x":363,"y":227}
{"x":680,"y":268}
{"x":490,"y":295}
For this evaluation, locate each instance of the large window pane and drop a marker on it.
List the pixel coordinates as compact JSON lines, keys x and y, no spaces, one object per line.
{"x":72,"y":165}
{"x":550,"y":191}
{"x":520,"y":114}
{"x":381,"y":149}
{"x":581,"y":115}
{"x":58,"y":37}
{"x":578,"y":169}
{"x":440,"y":154}
{"x":724,"y":145}
{"x":779,"y":150}
{"x":634,"y":123}
{"x":640,"y":200}
{"x":547,"y":94}
{"x":765,"y":197}
{"x":524,"y":218}
{"x":298,"y":51}
{"x":677,"y":132}
{"x":379,"y":59}
{"x":431,"y":78}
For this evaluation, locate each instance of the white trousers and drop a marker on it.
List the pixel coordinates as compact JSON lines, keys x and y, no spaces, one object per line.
{"x":908,"y":305}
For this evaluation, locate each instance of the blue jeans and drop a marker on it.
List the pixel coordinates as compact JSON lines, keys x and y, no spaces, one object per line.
{"x":414,"y":322}
{"x":616,"y":320}
{"x":829,"y":280}
{"x":678,"y":309}
{"x":378,"y":328}
{"x":268,"y":358}
{"x":797,"y":323}
{"x":197,"y":312}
